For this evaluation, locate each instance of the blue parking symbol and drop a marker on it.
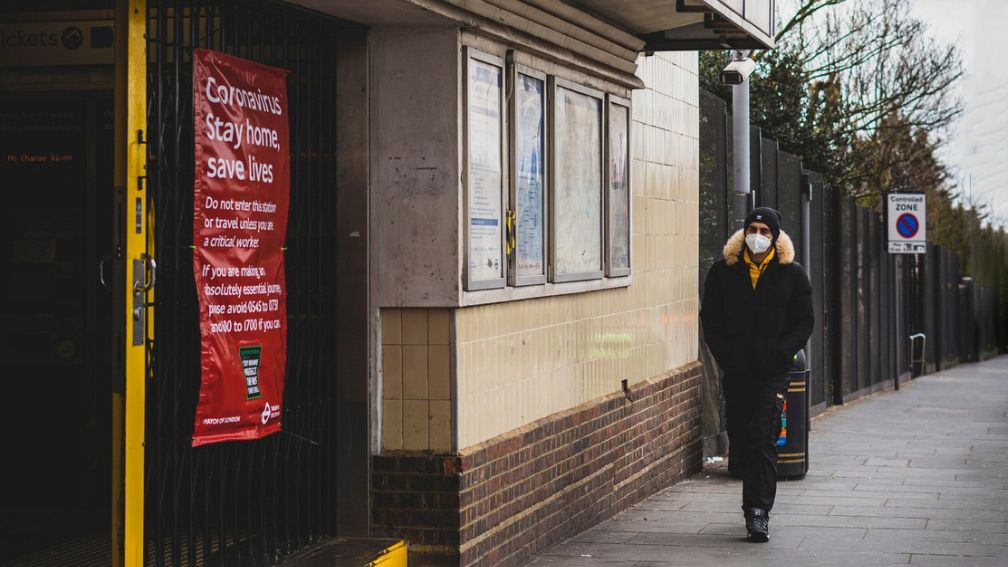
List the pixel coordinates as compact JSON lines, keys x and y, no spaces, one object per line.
{"x":907,"y":225}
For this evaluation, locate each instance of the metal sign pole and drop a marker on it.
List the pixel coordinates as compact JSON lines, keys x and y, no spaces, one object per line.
{"x":740,"y":142}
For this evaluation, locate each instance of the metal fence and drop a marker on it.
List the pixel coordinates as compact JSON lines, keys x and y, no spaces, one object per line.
{"x":247,"y":503}
{"x":715,"y":209}
{"x":868,"y":303}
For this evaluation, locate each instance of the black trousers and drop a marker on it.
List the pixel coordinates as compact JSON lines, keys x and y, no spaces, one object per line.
{"x":753,"y":408}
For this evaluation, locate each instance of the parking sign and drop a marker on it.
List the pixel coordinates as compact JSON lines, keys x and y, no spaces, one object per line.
{"x":907,"y":221}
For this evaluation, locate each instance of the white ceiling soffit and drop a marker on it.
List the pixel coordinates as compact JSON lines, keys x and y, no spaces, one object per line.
{"x":550,"y":29}
{"x":657,"y":25}
{"x":680,"y":25}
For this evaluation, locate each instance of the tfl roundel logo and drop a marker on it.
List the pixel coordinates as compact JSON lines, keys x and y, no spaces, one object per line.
{"x":72,"y":37}
{"x":266,"y":412}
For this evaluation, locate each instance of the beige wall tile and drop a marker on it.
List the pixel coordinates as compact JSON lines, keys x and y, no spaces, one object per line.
{"x":414,"y":372}
{"x":439,"y":372}
{"x":392,"y":425}
{"x":392,"y":378}
{"x":414,"y":326}
{"x":440,"y":426}
{"x":391,"y":321}
{"x":438,"y":326}
{"x":415,"y":424}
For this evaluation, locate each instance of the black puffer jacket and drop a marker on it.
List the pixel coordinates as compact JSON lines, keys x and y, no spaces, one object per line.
{"x":754,"y":334}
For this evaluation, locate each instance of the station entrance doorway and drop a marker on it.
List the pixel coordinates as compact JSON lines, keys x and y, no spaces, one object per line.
{"x":57,"y":352}
{"x":99,"y":334}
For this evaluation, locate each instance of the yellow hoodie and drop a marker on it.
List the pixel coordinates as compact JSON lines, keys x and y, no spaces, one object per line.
{"x":755,"y":271}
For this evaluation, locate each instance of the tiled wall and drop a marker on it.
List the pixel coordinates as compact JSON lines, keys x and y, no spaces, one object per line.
{"x":416,"y":380}
{"x":521,"y":361}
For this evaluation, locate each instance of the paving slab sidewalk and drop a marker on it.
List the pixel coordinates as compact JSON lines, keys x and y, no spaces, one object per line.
{"x":917,"y":476}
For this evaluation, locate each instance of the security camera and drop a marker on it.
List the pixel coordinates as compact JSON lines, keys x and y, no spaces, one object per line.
{"x":738,"y":71}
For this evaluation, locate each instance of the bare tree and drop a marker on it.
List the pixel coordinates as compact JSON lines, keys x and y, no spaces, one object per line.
{"x":858,"y":88}
{"x":884,"y":60}
{"x":805,"y":10}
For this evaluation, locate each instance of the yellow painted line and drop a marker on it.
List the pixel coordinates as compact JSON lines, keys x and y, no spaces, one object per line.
{"x":802,"y":454}
{"x":395,"y":555}
{"x":790,"y":461}
{"x":801,"y":384}
{"x":796,"y":389}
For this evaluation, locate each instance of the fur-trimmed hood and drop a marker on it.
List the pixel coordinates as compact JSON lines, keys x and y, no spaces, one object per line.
{"x":733,"y":248}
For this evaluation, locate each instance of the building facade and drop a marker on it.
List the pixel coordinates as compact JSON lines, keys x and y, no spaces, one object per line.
{"x":491,"y":259}
{"x":553,"y":411}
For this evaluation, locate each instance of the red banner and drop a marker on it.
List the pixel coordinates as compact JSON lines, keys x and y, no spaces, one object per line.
{"x":240,"y":201}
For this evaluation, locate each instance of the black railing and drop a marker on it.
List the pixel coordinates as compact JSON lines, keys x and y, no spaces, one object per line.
{"x":868,"y":302}
{"x":241,"y":503}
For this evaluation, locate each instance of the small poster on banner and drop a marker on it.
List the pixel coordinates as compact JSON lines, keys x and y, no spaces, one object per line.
{"x":240,"y":200}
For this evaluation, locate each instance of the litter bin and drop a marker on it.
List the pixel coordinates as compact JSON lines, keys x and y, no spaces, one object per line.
{"x":793,"y":443}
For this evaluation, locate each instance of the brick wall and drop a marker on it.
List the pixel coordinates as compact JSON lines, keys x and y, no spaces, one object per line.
{"x":416,"y":497}
{"x":504,"y":500}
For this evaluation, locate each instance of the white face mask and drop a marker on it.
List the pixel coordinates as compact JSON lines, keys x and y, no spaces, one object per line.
{"x":757,"y":243}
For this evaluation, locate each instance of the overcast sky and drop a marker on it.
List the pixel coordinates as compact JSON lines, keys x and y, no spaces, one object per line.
{"x":979,"y":147}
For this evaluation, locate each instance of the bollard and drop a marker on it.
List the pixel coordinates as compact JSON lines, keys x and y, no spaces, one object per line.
{"x":792,"y":448}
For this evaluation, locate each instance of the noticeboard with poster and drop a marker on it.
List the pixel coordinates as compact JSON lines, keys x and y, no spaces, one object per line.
{"x":577,"y":183}
{"x":617,"y":187}
{"x":528,"y":178}
{"x":484,"y":171}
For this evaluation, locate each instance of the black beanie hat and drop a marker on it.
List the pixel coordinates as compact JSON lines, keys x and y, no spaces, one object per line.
{"x":767,"y":216}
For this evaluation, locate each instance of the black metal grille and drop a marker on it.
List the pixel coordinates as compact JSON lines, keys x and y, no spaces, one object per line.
{"x":714,"y":211}
{"x":867,"y":302}
{"x":767,"y":196}
{"x":241,"y":503}
{"x":789,"y":199}
{"x":818,"y":265}
{"x":715,"y":202}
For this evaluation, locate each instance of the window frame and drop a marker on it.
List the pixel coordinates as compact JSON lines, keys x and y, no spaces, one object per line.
{"x":611,"y":272}
{"x":515,"y":279}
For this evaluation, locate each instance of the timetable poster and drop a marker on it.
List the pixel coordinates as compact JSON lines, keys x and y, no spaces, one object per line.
{"x":485,"y":172}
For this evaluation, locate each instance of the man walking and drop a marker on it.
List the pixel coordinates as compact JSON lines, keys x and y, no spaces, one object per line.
{"x":756,"y":315}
